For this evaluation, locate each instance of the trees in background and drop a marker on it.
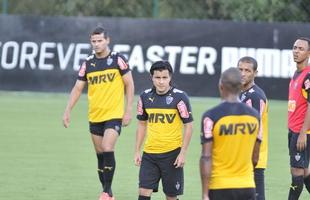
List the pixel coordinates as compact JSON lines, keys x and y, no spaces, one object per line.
{"x":240,"y":10}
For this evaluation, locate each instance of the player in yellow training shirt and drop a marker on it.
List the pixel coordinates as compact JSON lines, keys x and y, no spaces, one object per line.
{"x":255,"y":97}
{"x":109,"y":80}
{"x":230,"y":144}
{"x":164,"y":115}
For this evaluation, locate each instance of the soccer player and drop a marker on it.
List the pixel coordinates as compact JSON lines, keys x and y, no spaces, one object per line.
{"x":299,"y":119}
{"x":255,"y":97}
{"x":164,"y":115}
{"x":230,"y":144}
{"x":109,"y":81}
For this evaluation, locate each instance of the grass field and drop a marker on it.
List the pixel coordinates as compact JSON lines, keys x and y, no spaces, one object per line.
{"x":41,"y":160}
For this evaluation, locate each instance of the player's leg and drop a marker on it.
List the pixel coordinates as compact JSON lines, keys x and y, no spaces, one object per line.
{"x":307,"y":181}
{"x":108,"y":145}
{"x":297,"y":169}
{"x":307,"y":171}
{"x":260,"y":183}
{"x":172,"y":178}
{"x":149,"y":176}
{"x":96,"y":130}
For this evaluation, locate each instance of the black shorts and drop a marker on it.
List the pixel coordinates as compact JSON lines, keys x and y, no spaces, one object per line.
{"x":232,"y":194}
{"x":98,"y":128}
{"x":298,"y":159}
{"x":160,"y":166}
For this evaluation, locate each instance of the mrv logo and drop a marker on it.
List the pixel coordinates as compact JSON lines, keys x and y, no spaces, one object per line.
{"x":236,"y":128}
{"x":104,"y":78}
{"x":162,"y":118}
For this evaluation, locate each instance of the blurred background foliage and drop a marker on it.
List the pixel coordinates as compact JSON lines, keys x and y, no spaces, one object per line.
{"x":237,"y":10}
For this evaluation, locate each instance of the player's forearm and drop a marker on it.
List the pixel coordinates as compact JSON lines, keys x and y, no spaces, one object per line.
{"x":205,"y":173}
{"x":140,"y":135}
{"x":188,"y":130}
{"x":129,"y":92}
{"x":306,"y":124}
{"x":74,"y":97}
{"x":255,"y":156}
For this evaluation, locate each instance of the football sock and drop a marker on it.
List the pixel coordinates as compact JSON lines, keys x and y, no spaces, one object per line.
{"x":296,"y":187}
{"x":100,"y":159}
{"x":307,"y":183}
{"x":108,"y":171}
{"x":144,"y":198}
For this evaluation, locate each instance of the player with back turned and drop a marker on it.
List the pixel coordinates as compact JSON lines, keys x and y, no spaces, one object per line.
{"x":230,"y":144}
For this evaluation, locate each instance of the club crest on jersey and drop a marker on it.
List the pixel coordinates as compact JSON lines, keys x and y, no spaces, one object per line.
{"x":242,"y":97}
{"x":169,"y":99}
{"x":109,"y":60}
{"x":297,"y":157}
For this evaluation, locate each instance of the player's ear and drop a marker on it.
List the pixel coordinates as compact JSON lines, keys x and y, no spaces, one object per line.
{"x":108,"y":40}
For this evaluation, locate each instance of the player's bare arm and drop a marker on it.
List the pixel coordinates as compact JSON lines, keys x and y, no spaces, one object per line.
{"x":74,"y":97}
{"x":302,"y":138}
{"x":129,"y":93}
{"x":205,"y":168}
{"x":255,"y":155}
{"x":140,"y":135}
{"x":188,"y":130}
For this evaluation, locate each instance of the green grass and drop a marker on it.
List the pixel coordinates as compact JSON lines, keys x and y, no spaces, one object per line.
{"x":41,"y":160}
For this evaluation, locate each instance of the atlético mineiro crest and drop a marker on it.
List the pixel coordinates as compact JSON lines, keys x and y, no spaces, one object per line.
{"x":109,"y":60}
{"x":177,"y":185}
{"x":242,"y":97}
{"x":297,"y":157}
{"x":169,"y":99}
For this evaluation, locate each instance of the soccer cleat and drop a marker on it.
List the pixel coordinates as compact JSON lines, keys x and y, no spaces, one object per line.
{"x":105,"y":196}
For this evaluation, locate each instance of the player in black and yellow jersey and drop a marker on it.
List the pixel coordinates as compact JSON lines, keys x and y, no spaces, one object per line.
{"x":164,"y":115}
{"x":109,"y":81}
{"x":255,"y":97}
{"x":230,"y":144}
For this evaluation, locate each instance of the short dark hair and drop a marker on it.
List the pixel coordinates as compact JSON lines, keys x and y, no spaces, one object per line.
{"x":248,"y":59}
{"x":100,"y":30}
{"x":161,"y":65}
{"x":231,"y":80}
{"x":305,"y":39}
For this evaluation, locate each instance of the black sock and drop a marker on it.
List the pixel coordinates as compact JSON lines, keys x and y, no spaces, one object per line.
{"x":100,"y":159}
{"x":144,"y":198}
{"x":109,"y":167}
{"x":296,"y":187}
{"x":307,"y":183}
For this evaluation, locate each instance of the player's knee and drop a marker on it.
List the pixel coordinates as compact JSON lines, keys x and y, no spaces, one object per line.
{"x":145,"y":192}
{"x":296,"y":172}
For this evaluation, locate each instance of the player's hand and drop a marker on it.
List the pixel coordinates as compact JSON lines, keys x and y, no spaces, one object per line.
{"x":66,"y":119}
{"x":205,"y":197}
{"x":301,"y":141}
{"x":180,"y":161}
{"x":126,"y":119}
{"x":137,"y":159}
